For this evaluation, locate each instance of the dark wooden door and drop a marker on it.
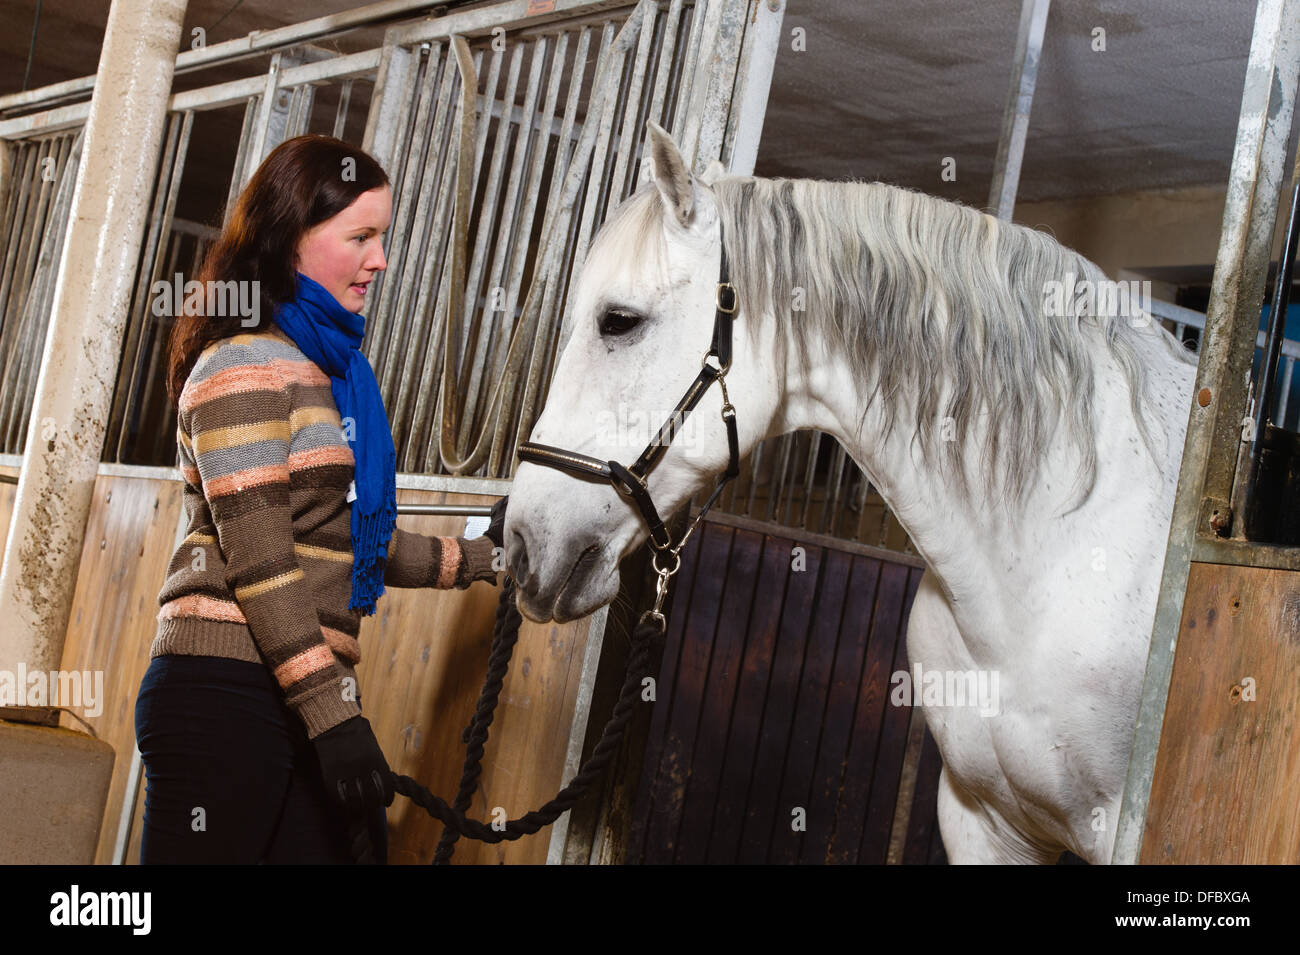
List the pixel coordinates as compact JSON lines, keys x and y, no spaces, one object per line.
{"x":772,"y":738}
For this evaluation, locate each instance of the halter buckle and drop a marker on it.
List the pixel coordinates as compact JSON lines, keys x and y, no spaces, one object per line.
{"x":726,"y":292}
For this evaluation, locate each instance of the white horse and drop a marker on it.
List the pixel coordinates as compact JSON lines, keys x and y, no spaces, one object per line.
{"x":1031,"y":456}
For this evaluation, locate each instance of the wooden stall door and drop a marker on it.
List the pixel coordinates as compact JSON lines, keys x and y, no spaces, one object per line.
{"x":772,"y":738}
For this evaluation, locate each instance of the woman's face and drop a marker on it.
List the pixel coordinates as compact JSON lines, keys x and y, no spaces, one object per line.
{"x":345,"y":253}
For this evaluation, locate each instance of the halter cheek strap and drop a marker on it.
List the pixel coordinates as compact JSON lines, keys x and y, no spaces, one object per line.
{"x":630,"y":481}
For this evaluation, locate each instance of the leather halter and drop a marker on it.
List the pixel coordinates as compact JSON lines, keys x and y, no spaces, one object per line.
{"x":631,"y":481}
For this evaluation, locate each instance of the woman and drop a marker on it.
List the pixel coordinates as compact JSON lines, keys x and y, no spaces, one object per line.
{"x":249,"y":716}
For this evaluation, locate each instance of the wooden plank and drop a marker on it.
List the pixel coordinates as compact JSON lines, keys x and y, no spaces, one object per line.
{"x":809,"y":717}
{"x":665,"y":689}
{"x":746,"y":720}
{"x":1227,"y":766}
{"x":873,"y":696}
{"x":923,"y":825}
{"x":763,"y":812}
{"x":841,"y":703}
{"x":128,"y":544}
{"x":424,"y":656}
{"x":701,"y":623}
{"x":887,"y":771}
{"x":719,"y":697}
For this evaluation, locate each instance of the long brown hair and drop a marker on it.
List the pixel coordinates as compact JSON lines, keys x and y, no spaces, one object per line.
{"x":303,"y":182}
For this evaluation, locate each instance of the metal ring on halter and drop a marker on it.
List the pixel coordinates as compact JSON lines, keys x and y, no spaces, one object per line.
{"x":722,"y":369}
{"x":663,"y":571}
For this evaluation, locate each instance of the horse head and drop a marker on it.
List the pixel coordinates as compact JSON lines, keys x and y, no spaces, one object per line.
{"x":642,"y":320}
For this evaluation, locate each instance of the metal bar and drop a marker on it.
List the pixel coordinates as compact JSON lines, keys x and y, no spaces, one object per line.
{"x":341,"y":111}
{"x":1267,"y":377}
{"x":141,"y":317}
{"x":16,"y":234}
{"x":1020,"y":99}
{"x":810,"y":475}
{"x":473,"y":324}
{"x":753,"y":83}
{"x":262,"y":42}
{"x":407,"y":236}
{"x":435,"y":274}
{"x":406,"y":167}
{"x":252,"y":108}
{"x":496,"y":313}
{"x":664,"y":67}
{"x":1284,"y":397}
{"x":394,"y":86}
{"x":1233,"y":318}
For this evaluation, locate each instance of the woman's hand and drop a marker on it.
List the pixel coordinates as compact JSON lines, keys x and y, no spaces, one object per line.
{"x":358,"y":780}
{"x":496,"y":530}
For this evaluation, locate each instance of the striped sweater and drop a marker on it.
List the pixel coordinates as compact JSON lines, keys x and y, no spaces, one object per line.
{"x":265,"y":571}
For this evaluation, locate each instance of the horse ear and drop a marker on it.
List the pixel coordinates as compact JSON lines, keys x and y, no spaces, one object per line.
{"x":670,"y":174}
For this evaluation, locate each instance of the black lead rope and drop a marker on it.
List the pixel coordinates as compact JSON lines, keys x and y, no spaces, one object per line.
{"x":505,"y":636}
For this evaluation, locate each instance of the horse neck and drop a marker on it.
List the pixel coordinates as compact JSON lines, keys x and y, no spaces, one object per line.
{"x":975,"y":548}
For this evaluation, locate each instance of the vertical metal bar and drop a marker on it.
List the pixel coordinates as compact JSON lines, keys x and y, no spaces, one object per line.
{"x":830,"y":515}
{"x":147,"y":391}
{"x":1227,"y":348}
{"x":29,"y":303}
{"x":630,"y":137}
{"x":410,"y":155}
{"x":491,"y":313}
{"x":753,"y":83}
{"x":166,"y":186}
{"x":1020,"y":99}
{"x":776,"y":490}
{"x":683,"y":94}
{"x":17,"y":229}
{"x":810,"y":475}
{"x":434,"y":275}
{"x":240,"y":173}
{"x":11,"y":306}
{"x":1267,"y":377}
{"x":341,"y":111}
{"x":613,"y":63}
{"x":667,"y":54}
{"x":394,"y":86}
{"x":1284,"y":397}
{"x":407,"y":238}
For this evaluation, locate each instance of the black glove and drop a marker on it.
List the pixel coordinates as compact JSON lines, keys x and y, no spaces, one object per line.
{"x":357,"y":777}
{"x":496,"y":530}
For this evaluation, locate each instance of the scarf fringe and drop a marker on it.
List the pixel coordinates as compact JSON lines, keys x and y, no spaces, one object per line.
{"x":370,"y":536}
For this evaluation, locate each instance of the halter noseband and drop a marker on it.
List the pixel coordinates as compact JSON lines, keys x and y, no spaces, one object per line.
{"x":630,"y":481}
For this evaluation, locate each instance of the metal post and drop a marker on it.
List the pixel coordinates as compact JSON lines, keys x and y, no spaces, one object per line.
{"x":1015,"y":120}
{"x":65,"y":434}
{"x":1214,"y":421}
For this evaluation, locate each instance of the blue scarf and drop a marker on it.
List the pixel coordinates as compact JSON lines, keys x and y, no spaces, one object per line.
{"x":330,"y":335}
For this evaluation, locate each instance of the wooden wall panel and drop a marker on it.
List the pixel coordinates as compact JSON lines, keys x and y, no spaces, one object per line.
{"x":128,"y":544}
{"x":1228,"y":769}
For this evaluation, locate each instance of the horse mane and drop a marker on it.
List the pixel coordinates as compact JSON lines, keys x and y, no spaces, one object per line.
{"x":921,"y":293}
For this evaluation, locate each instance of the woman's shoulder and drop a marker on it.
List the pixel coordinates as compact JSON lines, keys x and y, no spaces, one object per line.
{"x":256,"y":358}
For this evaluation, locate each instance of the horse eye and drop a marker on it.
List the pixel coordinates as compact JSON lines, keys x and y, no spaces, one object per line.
{"x":617,"y":322}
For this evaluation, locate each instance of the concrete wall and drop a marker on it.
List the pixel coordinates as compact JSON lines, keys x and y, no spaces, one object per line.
{"x":1127,"y":232}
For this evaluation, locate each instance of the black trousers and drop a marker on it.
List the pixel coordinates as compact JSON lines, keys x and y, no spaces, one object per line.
{"x":230,"y":774}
